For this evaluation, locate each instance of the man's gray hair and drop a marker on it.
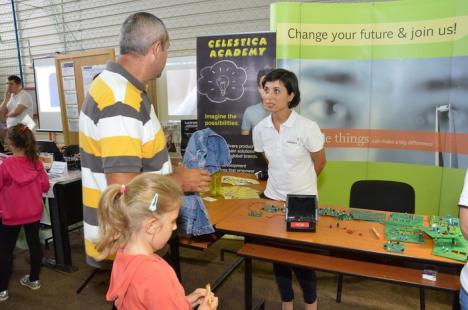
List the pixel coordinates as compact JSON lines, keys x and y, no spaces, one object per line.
{"x":139,"y":31}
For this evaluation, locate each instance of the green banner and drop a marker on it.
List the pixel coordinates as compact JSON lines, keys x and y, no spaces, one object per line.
{"x":397,"y":29}
{"x":387,"y":84}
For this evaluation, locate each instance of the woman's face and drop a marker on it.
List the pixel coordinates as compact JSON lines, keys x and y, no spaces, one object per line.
{"x":276,"y":97}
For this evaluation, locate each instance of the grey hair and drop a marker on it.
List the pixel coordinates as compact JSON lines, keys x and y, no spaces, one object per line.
{"x":139,"y":31}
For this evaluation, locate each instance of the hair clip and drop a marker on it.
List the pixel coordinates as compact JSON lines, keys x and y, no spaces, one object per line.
{"x":154,"y":203}
{"x":24,"y":128}
{"x":123,"y":188}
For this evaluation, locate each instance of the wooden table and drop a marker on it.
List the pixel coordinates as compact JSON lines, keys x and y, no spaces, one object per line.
{"x":217,"y":211}
{"x":66,"y":208}
{"x":221,"y":209}
{"x":351,"y":240}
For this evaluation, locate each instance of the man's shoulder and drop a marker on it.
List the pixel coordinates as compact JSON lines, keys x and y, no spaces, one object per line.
{"x":112,"y":87}
{"x":24,"y":95}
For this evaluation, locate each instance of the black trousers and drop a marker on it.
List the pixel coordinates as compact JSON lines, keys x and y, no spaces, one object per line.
{"x":8,"y":237}
{"x":306,"y":278}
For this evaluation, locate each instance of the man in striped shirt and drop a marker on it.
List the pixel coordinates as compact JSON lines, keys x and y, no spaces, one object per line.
{"x":120,"y":135}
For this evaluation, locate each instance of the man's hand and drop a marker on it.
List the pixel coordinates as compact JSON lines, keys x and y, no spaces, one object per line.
{"x":192,"y":180}
{"x":3,"y":105}
{"x":7,"y":94}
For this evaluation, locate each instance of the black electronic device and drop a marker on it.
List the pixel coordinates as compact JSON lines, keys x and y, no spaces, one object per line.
{"x":301,"y":212}
{"x":50,"y":147}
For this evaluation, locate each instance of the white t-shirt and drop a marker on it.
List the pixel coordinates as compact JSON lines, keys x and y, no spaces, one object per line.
{"x":464,"y":203}
{"x":290,"y":166}
{"x":24,"y":99}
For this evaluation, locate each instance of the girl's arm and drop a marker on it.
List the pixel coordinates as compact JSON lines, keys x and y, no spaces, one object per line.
{"x":1,"y":177}
{"x":44,"y":179}
{"x":319,"y":159}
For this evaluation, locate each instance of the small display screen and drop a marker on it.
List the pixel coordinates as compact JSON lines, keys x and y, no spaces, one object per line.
{"x":301,"y":206}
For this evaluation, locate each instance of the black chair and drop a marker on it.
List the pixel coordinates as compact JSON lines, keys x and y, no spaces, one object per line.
{"x":390,"y":196}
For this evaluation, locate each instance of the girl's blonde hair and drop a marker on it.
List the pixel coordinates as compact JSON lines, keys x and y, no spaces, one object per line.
{"x":122,"y":209}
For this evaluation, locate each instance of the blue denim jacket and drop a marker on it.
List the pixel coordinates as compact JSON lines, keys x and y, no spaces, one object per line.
{"x":206,"y":149}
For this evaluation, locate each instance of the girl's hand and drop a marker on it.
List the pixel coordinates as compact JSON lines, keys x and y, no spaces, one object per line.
{"x":196,"y":297}
{"x":210,"y":302}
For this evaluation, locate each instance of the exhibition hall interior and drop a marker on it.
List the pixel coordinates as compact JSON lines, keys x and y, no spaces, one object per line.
{"x":233,"y":154}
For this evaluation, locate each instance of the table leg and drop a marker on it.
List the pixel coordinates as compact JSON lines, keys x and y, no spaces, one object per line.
{"x":422,"y":298}
{"x":58,"y":219}
{"x":248,"y":283}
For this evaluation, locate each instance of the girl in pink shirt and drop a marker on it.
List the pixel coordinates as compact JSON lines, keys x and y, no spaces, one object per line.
{"x":22,"y":182}
{"x":135,"y":221}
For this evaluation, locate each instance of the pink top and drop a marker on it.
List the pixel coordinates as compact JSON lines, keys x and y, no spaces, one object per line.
{"x":145,"y":282}
{"x":22,"y":183}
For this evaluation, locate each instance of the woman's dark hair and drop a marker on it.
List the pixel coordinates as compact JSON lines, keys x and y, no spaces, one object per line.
{"x":261,"y":73}
{"x":23,"y":138}
{"x":289,"y":80}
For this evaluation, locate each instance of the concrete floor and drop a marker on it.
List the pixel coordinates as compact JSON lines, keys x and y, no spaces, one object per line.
{"x":198,"y":268}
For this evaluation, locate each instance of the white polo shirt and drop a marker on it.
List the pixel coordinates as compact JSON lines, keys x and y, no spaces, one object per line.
{"x":25,"y":100}
{"x":463,"y":203}
{"x":290,"y":166}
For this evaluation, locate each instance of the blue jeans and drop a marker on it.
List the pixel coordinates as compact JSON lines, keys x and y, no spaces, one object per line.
{"x":305,"y":277}
{"x":463,"y":299}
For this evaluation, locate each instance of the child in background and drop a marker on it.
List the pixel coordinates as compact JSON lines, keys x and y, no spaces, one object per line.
{"x":135,"y":220}
{"x":22,"y":181}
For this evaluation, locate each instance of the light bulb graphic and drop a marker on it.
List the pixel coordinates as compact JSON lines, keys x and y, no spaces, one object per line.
{"x":223,"y":83}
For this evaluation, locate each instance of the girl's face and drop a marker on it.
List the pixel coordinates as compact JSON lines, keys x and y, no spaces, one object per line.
{"x":166,"y":225}
{"x":10,"y":145}
{"x":276,"y":97}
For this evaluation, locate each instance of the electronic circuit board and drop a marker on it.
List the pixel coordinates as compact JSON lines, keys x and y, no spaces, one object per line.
{"x":403,"y":233}
{"x":456,"y":248}
{"x":406,"y":219}
{"x":369,"y":216}
{"x":394,"y":246}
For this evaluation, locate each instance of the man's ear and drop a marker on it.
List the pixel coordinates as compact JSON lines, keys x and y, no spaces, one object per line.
{"x":157,"y":48}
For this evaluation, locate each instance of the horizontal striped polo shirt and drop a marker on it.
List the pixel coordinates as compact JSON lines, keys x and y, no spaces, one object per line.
{"x":119,"y":132}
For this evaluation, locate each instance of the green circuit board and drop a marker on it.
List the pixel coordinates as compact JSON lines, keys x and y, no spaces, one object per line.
{"x":369,"y":216}
{"x":394,"y":246}
{"x":443,"y":227}
{"x":339,"y":214}
{"x":403,"y":233}
{"x":456,"y":248}
{"x":406,"y":219}
{"x":403,"y":227}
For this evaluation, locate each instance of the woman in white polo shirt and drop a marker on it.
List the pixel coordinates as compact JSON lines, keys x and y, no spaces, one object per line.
{"x":293,"y":147}
{"x":463,"y":203}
